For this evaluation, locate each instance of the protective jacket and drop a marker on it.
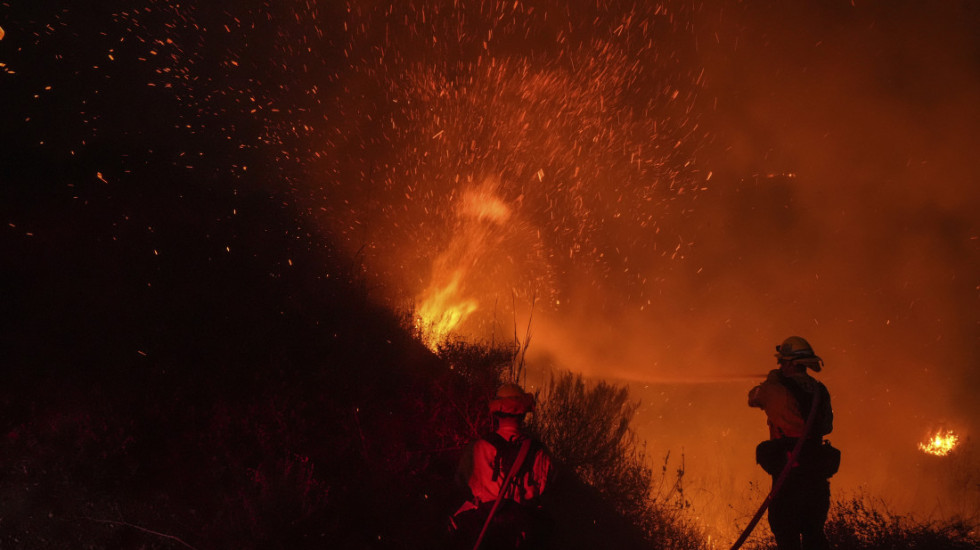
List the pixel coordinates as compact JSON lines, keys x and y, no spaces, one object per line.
{"x":484,"y":466}
{"x":786,"y":401}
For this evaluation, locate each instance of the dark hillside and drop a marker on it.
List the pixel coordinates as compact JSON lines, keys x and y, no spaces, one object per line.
{"x":185,"y":361}
{"x":235,"y":399}
{"x":180,"y":353}
{"x":160,"y":384}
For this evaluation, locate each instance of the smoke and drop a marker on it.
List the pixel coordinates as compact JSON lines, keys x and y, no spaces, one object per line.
{"x":843,"y":209}
{"x":686,"y":187}
{"x":582,"y":119}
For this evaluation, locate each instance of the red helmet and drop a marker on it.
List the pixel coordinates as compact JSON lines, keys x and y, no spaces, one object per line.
{"x":511,"y":399}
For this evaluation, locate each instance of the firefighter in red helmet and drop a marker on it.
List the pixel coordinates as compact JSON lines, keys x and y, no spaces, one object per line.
{"x":799,"y":507}
{"x":506,"y":472}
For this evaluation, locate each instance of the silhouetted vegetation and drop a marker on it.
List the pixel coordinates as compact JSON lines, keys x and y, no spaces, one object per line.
{"x":587,"y":426}
{"x":862,"y":524}
{"x":858,"y":524}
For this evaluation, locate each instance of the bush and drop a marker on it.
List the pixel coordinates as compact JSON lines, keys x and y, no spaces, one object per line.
{"x":476,"y":371}
{"x":587,"y":428}
{"x":856,"y":525}
{"x":861,"y":524}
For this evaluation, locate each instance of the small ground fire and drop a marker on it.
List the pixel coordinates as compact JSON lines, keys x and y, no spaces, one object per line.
{"x":941,"y":443}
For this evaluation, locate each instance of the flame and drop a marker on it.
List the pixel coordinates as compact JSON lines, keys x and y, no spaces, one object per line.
{"x":481,"y":217}
{"x":940,"y":444}
{"x":442,"y":311}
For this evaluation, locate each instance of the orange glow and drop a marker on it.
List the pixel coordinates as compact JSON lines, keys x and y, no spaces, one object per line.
{"x":483,"y":205}
{"x":940,"y":444}
{"x":675,"y":214}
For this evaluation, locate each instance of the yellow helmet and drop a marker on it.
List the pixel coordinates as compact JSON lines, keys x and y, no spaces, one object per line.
{"x":797,"y":350}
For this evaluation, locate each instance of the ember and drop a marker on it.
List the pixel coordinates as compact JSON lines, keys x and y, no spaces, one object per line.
{"x":940,"y":444}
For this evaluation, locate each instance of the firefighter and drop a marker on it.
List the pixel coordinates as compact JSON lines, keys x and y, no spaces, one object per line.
{"x":519,"y":520}
{"x":799,"y":507}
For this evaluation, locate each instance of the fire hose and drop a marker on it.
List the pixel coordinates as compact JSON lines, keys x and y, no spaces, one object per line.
{"x":782,"y":475}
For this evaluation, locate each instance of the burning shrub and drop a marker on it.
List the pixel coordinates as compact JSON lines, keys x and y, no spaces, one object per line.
{"x":940,"y":444}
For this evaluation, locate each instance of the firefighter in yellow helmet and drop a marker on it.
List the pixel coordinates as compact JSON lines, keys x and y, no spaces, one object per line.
{"x":798,"y":509}
{"x":506,"y":472}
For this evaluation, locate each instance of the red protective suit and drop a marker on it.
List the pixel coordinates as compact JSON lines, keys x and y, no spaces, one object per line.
{"x":477,"y":469}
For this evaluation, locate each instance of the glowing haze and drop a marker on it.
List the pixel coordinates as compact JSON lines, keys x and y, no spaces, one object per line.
{"x":679,"y":186}
{"x":682,"y":188}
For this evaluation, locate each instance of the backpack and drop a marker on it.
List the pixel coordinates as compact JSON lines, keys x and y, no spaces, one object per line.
{"x":804,"y":399}
{"x":820,"y":459}
{"x":503,"y":461}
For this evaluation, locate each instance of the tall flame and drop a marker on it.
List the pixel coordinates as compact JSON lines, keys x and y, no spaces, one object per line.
{"x":447,"y":303}
{"x":940,"y":444}
{"x":442,"y":311}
